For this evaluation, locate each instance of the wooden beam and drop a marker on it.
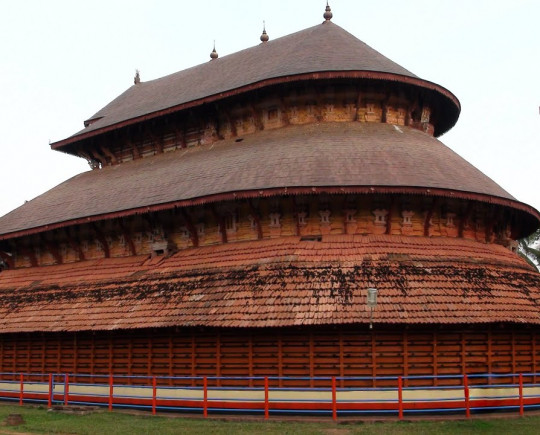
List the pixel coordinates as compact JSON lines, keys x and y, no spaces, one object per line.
{"x":127,"y":238}
{"x":109,"y":154}
{"x":221,"y":225}
{"x":256,"y":218}
{"x":75,"y":245}
{"x":193,"y":235}
{"x":101,"y":238}
{"x":53,"y":249}
{"x":429,"y":215}
{"x":285,"y":111}
{"x":465,"y":218}
{"x":257,"y":118}
{"x":358,"y":104}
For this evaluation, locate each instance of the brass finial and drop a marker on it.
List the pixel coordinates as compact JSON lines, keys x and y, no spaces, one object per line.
{"x":327,"y":12}
{"x":264,"y":36}
{"x":214,"y":54}
{"x":137,"y":78}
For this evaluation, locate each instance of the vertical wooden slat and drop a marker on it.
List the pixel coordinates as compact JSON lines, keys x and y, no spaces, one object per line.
{"x":28,"y":351}
{"x":193,"y":358}
{"x":218,"y":358}
{"x":489,"y":353}
{"x":149,"y":357}
{"x":280,"y":360}
{"x":75,"y":359}
{"x":535,"y":368}
{"x":250,"y":358}
{"x":373,"y":359}
{"x":58,"y":354}
{"x":92,"y":359}
{"x":513,"y":354}
{"x":110,"y":349}
{"x":311,"y":359}
{"x":463,"y":355}
{"x":435,"y":339}
{"x":130,"y":358}
{"x":341,"y":359}
{"x":43,"y":350}
{"x":171,"y":359}
{"x":406,"y":356}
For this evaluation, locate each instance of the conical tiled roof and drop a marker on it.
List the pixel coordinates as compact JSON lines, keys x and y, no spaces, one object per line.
{"x":322,"y":48}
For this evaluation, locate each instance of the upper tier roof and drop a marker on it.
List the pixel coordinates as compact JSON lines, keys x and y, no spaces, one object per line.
{"x":343,"y":156}
{"x":322,"y":48}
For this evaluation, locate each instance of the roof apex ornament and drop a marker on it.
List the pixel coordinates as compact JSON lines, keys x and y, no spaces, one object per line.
{"x":264,"y":36}
{"x":214,"y":55}
{"x":327,"y":13}
{"x":137,"y":78}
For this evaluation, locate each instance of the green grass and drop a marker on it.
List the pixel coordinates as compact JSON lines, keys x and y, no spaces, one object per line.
{"x":39,"y":420}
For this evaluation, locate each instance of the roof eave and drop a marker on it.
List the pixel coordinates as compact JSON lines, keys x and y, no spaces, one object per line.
{"x":318,"y":75}
{"x":287,"y":191}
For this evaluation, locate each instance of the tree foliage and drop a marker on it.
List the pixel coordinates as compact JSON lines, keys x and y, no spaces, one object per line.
{"x":529,"y":248}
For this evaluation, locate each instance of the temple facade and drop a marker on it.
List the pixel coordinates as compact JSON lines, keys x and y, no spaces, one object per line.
{"x":237,"y":213}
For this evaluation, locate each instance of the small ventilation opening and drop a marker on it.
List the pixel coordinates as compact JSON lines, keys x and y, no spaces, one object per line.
{"x":159,"y":252}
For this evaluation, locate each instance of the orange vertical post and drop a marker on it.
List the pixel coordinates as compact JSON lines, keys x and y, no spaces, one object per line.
{"x":154,"y":395}
{"x":21,"y":392}
{"x":334,"y":399}
{"x":466,"y":394}
{"x":205,"y":397}
{"x":111,"y":391}
{"x":521,"y":404}
{"x":49,"y":401}
{"x":66,"y":389}
{"x":266,"y":400}
{"x":400,"y":397}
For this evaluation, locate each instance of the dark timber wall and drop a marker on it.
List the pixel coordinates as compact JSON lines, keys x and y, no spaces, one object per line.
{"x":332,"y":351}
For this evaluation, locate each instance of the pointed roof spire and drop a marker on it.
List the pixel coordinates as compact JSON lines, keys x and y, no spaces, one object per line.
{"x":264,"y":36}
{"x":327,"y":12}
{"x":137,"y":78}
{"x":214,"y":55}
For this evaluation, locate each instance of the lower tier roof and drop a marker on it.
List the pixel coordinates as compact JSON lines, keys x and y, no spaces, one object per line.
{"x":278,"y":283}
{"x":323,"y":156}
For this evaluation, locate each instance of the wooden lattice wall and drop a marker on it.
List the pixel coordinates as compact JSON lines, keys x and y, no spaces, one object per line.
{"x":332,"y":351}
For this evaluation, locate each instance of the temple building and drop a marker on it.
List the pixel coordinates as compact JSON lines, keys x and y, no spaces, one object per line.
{"x":237,"y":213}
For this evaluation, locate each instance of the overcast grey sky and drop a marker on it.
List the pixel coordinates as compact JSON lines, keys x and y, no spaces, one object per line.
{"x":61,"y":61}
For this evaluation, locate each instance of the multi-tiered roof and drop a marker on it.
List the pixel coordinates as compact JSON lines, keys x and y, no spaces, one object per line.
{"x":229,"y":131}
